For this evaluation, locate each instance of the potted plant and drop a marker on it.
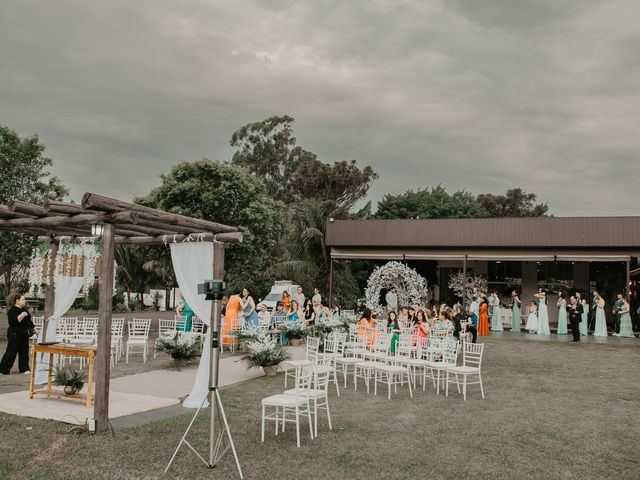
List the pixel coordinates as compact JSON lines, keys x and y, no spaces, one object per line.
{"x":71,"y":380}
{"x":183,"y":348}
{"x":265,"y":353}
{"x":294,"y":335}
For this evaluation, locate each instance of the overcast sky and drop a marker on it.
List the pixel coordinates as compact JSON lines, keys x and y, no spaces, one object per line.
{"x":483,"y":95}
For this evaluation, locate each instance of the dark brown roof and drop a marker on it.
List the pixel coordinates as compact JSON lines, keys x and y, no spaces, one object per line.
{"x":537,"y":232}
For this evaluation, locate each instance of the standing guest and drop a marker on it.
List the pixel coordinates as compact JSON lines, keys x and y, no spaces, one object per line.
{"x":286,"y":300}
{"x":516,"y":314}
{"x":393,"y":327}
{"x":593,"y":308}
{"x":574,"y":310}
{"x":317,"y":298}
{"x":584,"y":324}
{"x":231,"y":317}
{"x":532,"y":320}
{"x":410,"y":314}
{"x":392,"y":300}
{"x":483,"y":323}
{"x":600,"y":330}
{"x":184,"y":310}
{"x":299,"y":297}
{"x":543,"y":313}
{"x":496,"y":312}
{"x":248,"y":307}
{"x":309,"y":314}
{"x":472,"y":323}
{"x":626,"y":328}
{"x":21,"y":327}
{"x":617,"y":307}
{"x":562,"y":313}
{"x":225,"y":300}
{"x":264,"y":317}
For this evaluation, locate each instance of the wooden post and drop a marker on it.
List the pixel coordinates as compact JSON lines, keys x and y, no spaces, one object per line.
{"x":103,"y":355}
{"x":330,"y":282}
{"x":628,"y":285}
{"x":464,"y":282}
{"x":50,"y":289}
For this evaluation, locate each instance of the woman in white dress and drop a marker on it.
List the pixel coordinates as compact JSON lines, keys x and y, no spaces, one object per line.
{"x":543,"y":313}
{"x":600,"y":329}
{"x":496,"y":313}
{"x":532,"y":320}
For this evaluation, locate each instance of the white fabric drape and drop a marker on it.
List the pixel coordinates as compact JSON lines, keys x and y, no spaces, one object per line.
{"x":193,"y":264}
{"x":67,"y":289}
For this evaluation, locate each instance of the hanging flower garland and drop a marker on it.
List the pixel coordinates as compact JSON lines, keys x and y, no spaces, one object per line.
{"x":411,"y":287}
{"x":456,"y":283}
{"x":39,"y":258}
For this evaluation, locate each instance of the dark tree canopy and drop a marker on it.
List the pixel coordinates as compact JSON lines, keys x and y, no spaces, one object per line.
{"x":435,"y":202}
{"x":516,"y":203}
{"x":224,"y":193}
{"x":268,"y":150}
{"x":24,"y":177}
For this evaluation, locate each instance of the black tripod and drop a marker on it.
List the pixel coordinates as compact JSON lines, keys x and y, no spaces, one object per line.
{"x":218,"y":447}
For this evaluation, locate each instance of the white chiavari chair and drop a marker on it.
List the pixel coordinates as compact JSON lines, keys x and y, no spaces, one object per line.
{"x":138,"y":336}
{"x":471,"y":367}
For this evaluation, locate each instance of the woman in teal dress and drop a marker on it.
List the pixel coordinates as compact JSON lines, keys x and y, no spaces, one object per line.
{"x":516,"y":314}
{"x":562,"y":314}
{"x":249,"y":310}
{"x":393,"y":327}
{"x":626,"y":329}
{"x":496,"y":313}
{"x":584,"y":324}
{"x":184,"y":310}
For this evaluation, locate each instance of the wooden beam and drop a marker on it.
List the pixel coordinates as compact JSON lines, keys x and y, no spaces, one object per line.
{"x":93,"y":201}
{"x":464,"y":282}
{"x":216,"y":316}
{"x":234,"y":237}
{"x":85,"y":219}
{"x":6,"y":213}
{"x":103,"y":354}
{"x":52,"y":206}
{"x":27,"y":208}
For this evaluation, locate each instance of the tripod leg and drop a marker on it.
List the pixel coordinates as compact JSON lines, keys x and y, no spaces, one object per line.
{"x":226,"y":426}
{"x":184,"y":437}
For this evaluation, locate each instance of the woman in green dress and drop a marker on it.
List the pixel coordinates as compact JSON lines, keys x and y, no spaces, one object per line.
{"x":562,"y":314}
{"x":184,"y":310}
{"x":516,"y":315}
{"x":393,"y":327}
{"x":626,"y":329}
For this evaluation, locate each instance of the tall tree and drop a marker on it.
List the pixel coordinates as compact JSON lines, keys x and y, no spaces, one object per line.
{"x":516,"y":203}
{"x":24,"y":177}
{"x":228,"y":194}
{"x":268,"y":149}
{"x":435,"y":202}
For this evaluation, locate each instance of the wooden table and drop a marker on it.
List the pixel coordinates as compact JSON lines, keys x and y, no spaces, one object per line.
{"x":68,"y":350}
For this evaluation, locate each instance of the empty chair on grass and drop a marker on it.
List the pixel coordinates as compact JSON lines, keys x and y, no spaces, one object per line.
{"x":471,"y":367}
{"x":138,"y":330}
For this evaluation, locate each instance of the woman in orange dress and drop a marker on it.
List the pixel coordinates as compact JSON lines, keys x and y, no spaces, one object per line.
{"x":231,"y":318}
{"x":286,"y":300}
{"x":365,"y":327}
{"x":483,"y":323}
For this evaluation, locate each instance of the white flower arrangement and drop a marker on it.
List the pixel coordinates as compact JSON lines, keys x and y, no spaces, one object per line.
{"x":411,"y":287}
{"x":456,"y":283}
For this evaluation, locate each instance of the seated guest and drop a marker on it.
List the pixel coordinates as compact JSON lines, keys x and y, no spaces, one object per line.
{"x":294,"y":315}
{"x":403,"y":316}
{"x":444,"y":324}
{"x":421,"y":327}
{"x":309,"y":314}
{"x":366,"y":326}
{"x":264,"y":317}
{"x":279,"y":316}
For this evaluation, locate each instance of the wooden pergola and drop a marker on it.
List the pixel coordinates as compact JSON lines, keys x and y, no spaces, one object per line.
{"x":122,"y":223}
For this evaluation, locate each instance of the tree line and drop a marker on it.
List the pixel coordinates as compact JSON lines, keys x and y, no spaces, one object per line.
{"x":278,"y":193}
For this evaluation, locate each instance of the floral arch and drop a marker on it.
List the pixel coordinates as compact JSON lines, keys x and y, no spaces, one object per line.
{"x":411,"y":286}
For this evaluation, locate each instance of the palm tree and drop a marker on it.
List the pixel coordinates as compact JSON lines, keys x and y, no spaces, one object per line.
{"x":130,"y":273}
{"x":162,"y":269}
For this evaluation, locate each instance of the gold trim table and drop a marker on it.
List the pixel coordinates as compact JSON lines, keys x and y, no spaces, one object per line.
{"x":61,"y":349}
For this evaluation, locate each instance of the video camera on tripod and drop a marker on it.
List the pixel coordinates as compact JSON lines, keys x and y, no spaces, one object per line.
{"x":213,"y":289}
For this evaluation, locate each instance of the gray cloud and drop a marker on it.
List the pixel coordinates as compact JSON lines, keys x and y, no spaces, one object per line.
{"x":485,"y":96}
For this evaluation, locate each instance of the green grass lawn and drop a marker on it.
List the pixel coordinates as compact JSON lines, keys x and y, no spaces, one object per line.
{"x":552,"y":410}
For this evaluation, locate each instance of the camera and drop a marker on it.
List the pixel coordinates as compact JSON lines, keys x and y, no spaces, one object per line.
{"x":213,"y":289}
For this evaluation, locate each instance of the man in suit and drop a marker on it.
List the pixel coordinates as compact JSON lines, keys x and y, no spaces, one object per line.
{"x":617,"y":306}
{"x":574,"y":312}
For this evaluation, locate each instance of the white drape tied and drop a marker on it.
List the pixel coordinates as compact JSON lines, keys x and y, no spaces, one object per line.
{"x":193,"y":264}
{"x":66,"y":292}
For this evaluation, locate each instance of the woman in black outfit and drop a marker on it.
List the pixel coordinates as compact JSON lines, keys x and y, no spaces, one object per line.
{"x":20,"y":329}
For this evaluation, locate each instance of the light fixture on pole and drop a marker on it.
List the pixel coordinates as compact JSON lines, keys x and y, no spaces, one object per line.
{"x":97,"y":229}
